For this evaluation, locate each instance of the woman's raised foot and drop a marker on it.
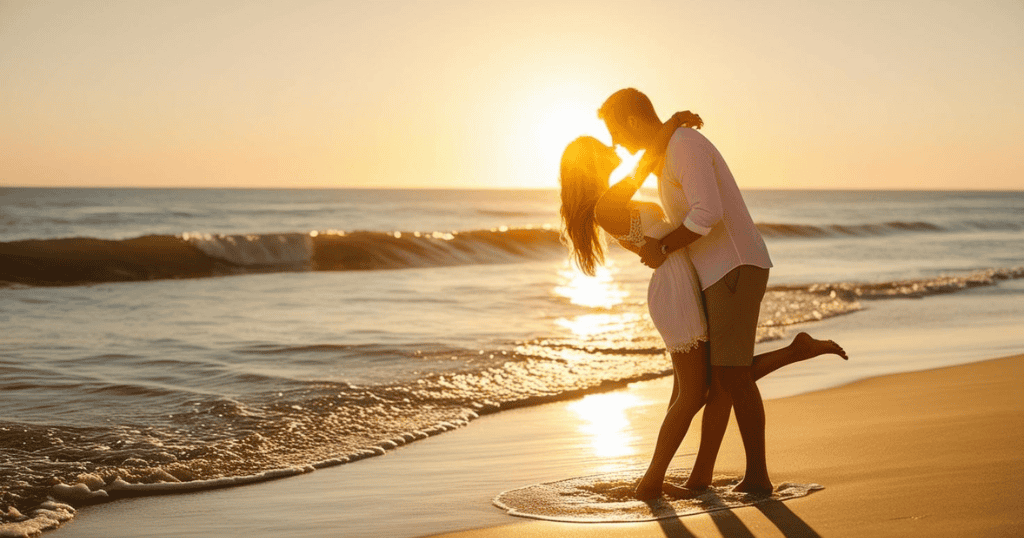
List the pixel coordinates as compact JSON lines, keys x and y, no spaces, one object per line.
{"x":809,"y":346}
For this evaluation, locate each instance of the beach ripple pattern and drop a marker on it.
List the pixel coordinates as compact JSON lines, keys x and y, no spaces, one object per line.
{"x":607,"y":498}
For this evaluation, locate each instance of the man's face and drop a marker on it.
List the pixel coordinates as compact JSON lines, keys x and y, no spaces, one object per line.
{"x":623,"y":135}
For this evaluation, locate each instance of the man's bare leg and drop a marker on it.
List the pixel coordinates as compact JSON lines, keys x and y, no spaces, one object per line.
{"x":746,"y":401}
{"x":719,"y":407}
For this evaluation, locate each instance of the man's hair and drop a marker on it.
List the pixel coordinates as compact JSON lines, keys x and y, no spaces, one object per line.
{"x":625,"y":103}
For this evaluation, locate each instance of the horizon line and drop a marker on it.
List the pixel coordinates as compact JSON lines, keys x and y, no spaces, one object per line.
{"x":481,"y":188}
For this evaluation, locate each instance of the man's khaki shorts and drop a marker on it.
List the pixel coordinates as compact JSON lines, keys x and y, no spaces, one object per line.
{"x":732,"y":305}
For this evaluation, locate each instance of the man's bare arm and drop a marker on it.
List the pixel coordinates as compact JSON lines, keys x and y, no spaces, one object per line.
{"x":654,"y":252}
{"x":653,"y":257}
{"x":679,"y":238}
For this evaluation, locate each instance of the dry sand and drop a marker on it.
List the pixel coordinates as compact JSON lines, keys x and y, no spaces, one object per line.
{"x":932,"y":453}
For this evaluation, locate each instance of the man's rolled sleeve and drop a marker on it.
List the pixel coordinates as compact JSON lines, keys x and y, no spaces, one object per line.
{"x":693,"y":164}
{"x":694,"y":227}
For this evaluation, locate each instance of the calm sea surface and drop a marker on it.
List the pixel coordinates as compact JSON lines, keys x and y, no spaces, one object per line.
{"x":196,"y":337}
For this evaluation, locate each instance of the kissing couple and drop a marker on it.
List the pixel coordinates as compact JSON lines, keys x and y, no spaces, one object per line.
{"x":710,"y":275}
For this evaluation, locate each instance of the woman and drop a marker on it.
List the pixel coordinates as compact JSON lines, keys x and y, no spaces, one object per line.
{"x":674,"y":299}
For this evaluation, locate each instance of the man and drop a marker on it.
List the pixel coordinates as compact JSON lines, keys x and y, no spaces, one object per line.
{"x":701,"y":198}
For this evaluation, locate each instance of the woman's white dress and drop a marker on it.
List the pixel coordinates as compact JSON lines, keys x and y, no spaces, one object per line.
{"x":673,"y":296}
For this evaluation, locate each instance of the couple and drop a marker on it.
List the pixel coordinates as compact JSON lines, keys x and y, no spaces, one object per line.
{"x":711,"y":272}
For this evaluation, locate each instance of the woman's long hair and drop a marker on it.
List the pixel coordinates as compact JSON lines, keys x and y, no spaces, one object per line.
{"x":581,"y":188}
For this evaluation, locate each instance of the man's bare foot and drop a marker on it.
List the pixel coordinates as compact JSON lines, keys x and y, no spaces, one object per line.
{"x":682,"y":492}
{"x":754,"y":487}
{"x":811,"y":347}
{"x":647,"y":491}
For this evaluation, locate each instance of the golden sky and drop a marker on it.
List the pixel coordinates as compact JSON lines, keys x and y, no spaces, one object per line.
{"x":468,"y":93}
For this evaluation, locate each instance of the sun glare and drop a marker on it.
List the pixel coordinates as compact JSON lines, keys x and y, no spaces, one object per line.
{"x":558,"y":124}
{"x":598,"y":291}
{"x":605,"y":424}
{"x":551,"y":118}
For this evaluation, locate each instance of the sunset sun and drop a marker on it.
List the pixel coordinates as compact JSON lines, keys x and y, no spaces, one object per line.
{"x":550,"y":123}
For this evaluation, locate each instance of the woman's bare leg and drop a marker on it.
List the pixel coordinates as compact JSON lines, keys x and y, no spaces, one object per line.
{"x":691,"y":376}
{"x":675,"y":387}
{"x":719,"y":407}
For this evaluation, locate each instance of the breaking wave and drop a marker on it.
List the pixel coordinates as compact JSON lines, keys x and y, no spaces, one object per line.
{"x":838,"y":230}
{"x":191,"y":255}
{"x":880,"y":229}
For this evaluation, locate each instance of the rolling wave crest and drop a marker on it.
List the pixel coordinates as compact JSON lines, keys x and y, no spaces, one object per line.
{"x":190,"y":255}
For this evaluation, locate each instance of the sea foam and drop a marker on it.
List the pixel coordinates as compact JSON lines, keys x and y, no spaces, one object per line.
{"x":607,"y":498}
{"x":47,"y":516}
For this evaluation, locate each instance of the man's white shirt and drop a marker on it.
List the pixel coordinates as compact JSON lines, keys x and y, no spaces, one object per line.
{"x":698,"y":191}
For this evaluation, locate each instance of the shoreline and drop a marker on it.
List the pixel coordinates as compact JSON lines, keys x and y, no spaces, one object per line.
{"x":445,"y":483}
{"x":891,"y":476}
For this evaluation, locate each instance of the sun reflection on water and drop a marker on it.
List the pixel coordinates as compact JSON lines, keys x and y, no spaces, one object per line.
{"x":598,"y":291}
{"x":604,"y":422}
{"x":606,"y":430}
{"x":589,"y":326}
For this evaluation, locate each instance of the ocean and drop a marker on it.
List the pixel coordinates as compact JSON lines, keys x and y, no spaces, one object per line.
{"x":158,"y":341}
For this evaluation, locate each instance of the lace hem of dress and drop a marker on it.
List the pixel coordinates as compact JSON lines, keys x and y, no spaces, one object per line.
{"x":688,"y":346}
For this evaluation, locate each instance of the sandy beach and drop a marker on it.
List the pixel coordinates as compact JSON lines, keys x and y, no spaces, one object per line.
{"x":931,"y":453}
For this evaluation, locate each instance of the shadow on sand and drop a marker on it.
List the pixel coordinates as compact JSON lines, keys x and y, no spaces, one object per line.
{"x":731,"y":526}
